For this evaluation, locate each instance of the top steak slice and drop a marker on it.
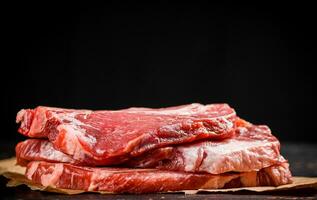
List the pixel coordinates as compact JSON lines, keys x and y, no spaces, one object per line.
{"x":110,"y":137}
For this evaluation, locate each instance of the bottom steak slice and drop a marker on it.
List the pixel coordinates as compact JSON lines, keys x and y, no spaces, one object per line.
{"x":125,"y":180}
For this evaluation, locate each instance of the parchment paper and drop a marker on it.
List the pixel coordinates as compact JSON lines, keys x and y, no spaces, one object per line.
{"x":16,"y":177}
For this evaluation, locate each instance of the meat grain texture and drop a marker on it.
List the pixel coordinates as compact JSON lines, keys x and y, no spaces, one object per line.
{"x":142,"y":150}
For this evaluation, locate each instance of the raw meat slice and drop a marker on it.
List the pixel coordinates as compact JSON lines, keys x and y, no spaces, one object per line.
{"x":111,"y":137}
{"x":251,"y":149}
{"x":40,"y":150}
{"x":120,"y":180}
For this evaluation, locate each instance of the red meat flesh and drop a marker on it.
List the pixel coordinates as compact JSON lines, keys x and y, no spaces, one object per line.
{"x":121,"y":180}
{"x":251,"y":149}
{"x":112,"y":137}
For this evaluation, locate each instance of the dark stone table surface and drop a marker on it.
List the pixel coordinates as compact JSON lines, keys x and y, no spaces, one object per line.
{"x":302,"y":158}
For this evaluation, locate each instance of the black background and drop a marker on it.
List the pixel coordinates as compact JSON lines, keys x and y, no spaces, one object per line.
{"x":256,"y":57}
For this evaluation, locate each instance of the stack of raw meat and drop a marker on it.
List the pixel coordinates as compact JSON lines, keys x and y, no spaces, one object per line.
{"x":142,"y":150}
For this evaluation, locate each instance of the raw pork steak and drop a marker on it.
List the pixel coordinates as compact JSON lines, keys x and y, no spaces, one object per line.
{"x":121,"y":180}
{"x":251,"y":149}
{"x":40,"y":150}
{"x":111,"y":137}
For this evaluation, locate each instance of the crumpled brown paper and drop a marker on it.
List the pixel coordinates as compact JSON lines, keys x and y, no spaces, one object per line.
{"x":16,"y":177}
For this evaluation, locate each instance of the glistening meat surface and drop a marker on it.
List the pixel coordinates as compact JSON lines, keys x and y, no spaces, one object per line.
{"x":40,"y":150}
{"x":111,"y":137}
{"x":121,"y":180}
{"x":251,"y":149}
